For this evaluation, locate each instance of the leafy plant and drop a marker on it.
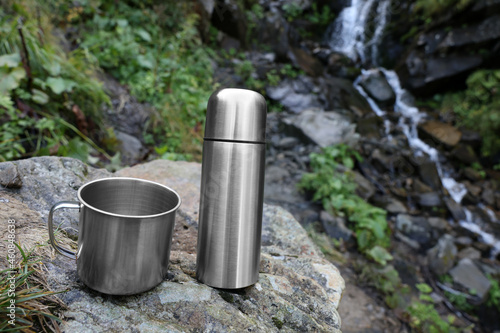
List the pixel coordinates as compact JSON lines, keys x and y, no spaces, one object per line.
{"x":494,"y":294}
{"x":335,"y":189}
{"x":430,"y":8}
{"x":424,"y":316}
{"x":476,"y":108}
{"x":42,"y":90}
{"x":157,"y":52}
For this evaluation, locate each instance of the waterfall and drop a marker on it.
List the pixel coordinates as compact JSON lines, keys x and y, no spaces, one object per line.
{"x":347,"y":36}
{"x":348,"y":33}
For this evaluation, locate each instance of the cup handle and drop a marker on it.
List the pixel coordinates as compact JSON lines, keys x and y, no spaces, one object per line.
{"x":53,"y":242}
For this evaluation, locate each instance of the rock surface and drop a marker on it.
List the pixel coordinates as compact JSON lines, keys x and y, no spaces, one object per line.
{"x":469,"y":276}
{"x":323,"y":128}
{"x":298,"y":289}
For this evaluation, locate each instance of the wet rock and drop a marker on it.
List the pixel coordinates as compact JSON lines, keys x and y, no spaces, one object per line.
{"x":455,"y":209}
{"x":131,"y":148}
{"x":9,"y":176}
{"x":420,"y":187}
{"x":440,"y":133}
{"x":287,"y":143}
{"x":472,"y":174}
{"x":335,"y":226}
{"x":470,"y":253}
{"x":371,"y":127}
{"x":322,"y":128}
{"x":340,"y":65}
{"x":488,"y":196}
{"x":390,"y":204}
{"x":471,"y":138}
{"x":301,"y":287}
{"x":340,"y":94}
{"x":429,"y":175}
{"x":365,"y":188}
{"x":438,"y":223}
{"x":376,"y":86}
{"x":470,"y":277}
{"x":472,"y":189}
{"x":465,"y":154}
{"x":415,"y":227}
{"x":442,"y":256}
{"x":286,"y":94}
{"x":308,"y":63}
{"x":429,"y":199}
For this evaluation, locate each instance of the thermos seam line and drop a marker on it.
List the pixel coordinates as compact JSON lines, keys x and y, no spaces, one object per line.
{"x":236,"y":141}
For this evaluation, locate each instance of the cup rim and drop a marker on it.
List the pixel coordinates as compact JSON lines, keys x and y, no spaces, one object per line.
{"x":83,"y":202}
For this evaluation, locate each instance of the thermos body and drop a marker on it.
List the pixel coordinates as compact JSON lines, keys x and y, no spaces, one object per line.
{"x":230,"y":214}
{"x":232,"y":189}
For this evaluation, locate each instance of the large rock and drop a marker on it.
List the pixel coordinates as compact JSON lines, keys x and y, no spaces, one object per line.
{"x":376,"y":86}
{"x":469,"y":276}
{"x":298,"y":289}
{"x":323,"y":128}
{"x":442,"y":256}
{"x":415,"y":227}
{"x":295,"y":95}
{"x":440,"y":133}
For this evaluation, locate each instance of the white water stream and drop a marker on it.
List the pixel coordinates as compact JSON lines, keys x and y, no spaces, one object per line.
{"x":348,"y":37}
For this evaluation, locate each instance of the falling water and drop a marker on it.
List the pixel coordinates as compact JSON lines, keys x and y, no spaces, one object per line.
{"x":348,"y":33}
{"x":348,"y":37}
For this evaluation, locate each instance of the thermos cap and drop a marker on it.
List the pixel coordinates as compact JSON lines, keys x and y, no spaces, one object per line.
{"x":236,"y":115}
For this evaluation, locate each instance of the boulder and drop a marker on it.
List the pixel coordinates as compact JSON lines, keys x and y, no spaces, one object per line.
{"x":455,"y":209}
{"x":429,"y":199}
{"x":308,"y":63}
{"x":298,"y":289}
{"x":429,"y":175}
{"x":440,"y":133}
{"x":131,"y":148}
{"x":465,"y":154}
{"x":376,"y":86}
{"x":470,"y":277}
{"x":322,"y":128}
{"x":414,"y":227}
{"x":295,"y":95}
{"x":469,"y":252}
{"x":442,"y":256}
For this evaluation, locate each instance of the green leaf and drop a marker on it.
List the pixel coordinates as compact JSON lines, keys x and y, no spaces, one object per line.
{"x":39,"y":97}
{"x":59,"y":85}
{"x":10,"y":60}
{"x":143,"y":34}
{"x":424,"y":288}
{"x":11,"y":80}
{"x":380,"y":255}
{"x":54,"y":68}
{"x":145,"y":62}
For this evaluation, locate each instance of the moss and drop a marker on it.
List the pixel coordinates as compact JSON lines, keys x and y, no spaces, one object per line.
{"x":277,"y":322}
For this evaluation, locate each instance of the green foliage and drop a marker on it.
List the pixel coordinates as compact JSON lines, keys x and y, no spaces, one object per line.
{"x":336,"y":190}
{"x":459,"y":300}
{"x":42,"y":90}
{"x":494,"y":294}
{"x":157,"y":52}
{"x":477,"y":107}
{"x":430,"y":8}
{"x":292,"y":11}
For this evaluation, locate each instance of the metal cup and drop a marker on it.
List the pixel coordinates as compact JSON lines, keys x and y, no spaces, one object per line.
{"x":125,"y":234}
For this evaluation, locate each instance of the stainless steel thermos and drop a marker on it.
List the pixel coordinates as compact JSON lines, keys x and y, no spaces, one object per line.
{"x":232,"y":186}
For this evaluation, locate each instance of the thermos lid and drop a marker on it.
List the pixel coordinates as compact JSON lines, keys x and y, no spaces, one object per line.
{"x":236,"y":115}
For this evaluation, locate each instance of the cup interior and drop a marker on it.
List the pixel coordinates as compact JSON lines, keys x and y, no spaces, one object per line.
{"x":128,"y":197}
